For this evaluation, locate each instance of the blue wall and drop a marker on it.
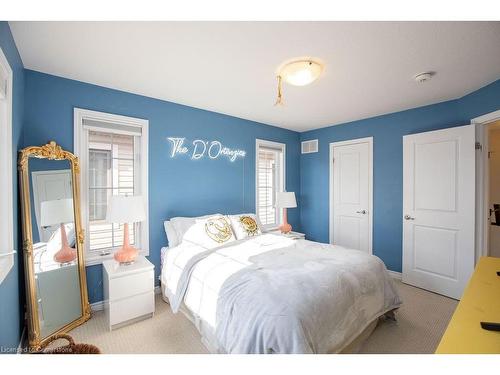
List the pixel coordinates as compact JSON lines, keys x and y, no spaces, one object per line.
{"x":387,"y":132}
{"x":43,"y":111}
{"x":11,"y":289}
{"x":177,"y":186}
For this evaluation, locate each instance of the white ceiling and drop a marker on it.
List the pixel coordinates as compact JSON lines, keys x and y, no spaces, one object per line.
{"x":230,"y":67}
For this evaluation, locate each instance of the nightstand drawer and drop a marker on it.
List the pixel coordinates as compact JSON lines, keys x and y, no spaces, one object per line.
{"x":128,"y":291}
{"x":130,"y":308}
{"x":131,"y":285}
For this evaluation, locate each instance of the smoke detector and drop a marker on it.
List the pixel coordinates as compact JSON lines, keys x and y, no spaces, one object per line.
{"x":423,"y":77}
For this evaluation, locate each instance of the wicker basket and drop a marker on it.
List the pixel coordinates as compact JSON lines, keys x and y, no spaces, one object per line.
{"x":71,"y":348}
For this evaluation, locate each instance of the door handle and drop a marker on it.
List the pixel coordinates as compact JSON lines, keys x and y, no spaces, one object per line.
{"x":363,"y":212}
{"x":408,"y":217}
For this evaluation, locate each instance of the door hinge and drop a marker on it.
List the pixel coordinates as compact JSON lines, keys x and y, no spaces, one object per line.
{"x":479,"y":146}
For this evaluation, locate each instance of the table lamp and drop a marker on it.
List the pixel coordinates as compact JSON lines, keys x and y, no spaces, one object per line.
{"x":59,"y":211}
{"x":285,"y":200}
{"x":125,"y":210}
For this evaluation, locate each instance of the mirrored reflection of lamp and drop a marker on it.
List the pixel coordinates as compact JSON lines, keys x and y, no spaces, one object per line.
{"x":125,"y":210}
{"x":59,"y":211}
{"x":285,"y":200}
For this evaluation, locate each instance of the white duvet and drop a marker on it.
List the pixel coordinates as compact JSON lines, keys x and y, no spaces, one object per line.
{"x":272,"y":294}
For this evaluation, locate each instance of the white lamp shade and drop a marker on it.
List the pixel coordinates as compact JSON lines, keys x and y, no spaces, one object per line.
{"x":56,"y":212}
{"x":123,"y":209}
{"x":286,"y":199}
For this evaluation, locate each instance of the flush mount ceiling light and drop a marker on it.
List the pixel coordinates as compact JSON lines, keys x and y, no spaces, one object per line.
{"x":299,"y":72}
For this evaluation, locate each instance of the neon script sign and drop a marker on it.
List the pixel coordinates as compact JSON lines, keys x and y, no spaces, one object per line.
{"x":201,"y":148}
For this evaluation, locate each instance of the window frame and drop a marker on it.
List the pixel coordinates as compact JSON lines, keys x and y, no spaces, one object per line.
{"x":276,"y":145}
{"x":141,"y":167}
{"x":7,"y":251}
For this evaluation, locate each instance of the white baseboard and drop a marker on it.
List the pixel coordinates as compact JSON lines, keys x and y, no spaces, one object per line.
{"x":99,"y":306}
{"x":395,"y":275}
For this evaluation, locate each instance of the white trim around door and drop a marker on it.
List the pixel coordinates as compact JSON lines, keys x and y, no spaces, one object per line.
{"x":333,"y":145}
{"x":482,"y":181}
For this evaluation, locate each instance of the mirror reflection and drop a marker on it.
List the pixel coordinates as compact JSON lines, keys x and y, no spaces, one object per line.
{"x":54,"y":244}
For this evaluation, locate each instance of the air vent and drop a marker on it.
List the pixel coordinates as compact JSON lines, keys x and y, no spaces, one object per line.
{"x":309,"y":147}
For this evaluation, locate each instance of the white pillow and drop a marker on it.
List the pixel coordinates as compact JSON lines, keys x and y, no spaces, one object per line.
{"x":210,"y":232}
{"x":171,"y":233}
{"x":245,"y":225}
{"x":182,"y":224}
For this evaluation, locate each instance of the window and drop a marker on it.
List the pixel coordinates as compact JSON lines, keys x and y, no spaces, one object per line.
{"x":6,"y":179}
{"x":270,"y":179}
{"x":113,"y":152}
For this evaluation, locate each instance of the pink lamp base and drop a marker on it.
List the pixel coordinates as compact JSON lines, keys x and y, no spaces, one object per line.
{"x":126,"y":254}
{"x":285,"y":227}
{"x":65,"y":255}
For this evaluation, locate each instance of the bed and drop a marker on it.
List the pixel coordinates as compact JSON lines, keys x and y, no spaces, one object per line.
{"x":272,"y":294}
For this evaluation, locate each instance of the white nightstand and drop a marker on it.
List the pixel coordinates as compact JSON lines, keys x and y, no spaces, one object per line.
{"x":128,"y":291}
{"x":292,"y":234}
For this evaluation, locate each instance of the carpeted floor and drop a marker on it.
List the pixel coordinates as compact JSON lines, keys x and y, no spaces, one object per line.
{"x":420,"y":324}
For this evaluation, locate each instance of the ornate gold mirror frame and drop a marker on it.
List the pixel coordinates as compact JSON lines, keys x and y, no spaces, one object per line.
{"x":50,"y":151}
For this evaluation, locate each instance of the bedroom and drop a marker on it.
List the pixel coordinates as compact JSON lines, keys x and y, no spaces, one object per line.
{"x":328,"y":188}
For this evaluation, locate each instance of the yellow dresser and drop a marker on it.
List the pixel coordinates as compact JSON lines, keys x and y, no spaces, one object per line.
{"x":480,"y":303}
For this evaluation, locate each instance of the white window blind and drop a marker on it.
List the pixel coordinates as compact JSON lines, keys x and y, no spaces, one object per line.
{"x":111,"y":172}
{"x":113,"y":153}
{"x":270,"y":180}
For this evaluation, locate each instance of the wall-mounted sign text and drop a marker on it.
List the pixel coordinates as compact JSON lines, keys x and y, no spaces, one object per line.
{"x":200,"y":148}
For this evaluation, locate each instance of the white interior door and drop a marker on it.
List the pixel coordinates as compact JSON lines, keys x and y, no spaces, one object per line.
{"x":47,"y":186}
{"x":438,"y":209}
{"x":351,"y":194}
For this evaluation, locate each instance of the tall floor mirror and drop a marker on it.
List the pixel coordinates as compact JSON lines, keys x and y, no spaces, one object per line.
{"x":56,"y":286}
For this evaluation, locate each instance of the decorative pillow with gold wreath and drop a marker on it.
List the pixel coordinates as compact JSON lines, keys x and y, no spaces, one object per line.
{"x":210,"y":232}
{"x":245,"y":225}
